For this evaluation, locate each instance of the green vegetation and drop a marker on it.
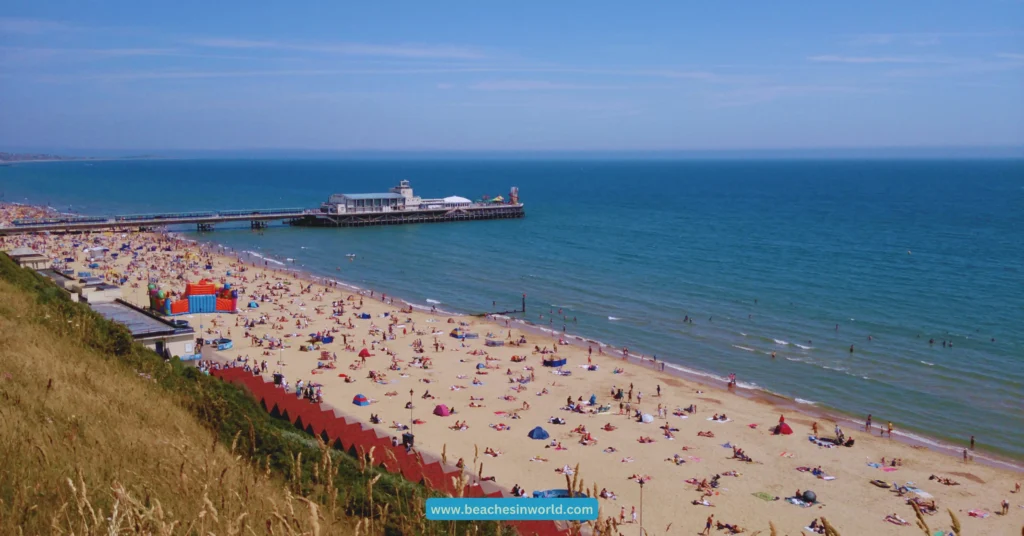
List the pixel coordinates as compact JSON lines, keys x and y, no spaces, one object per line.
{"x":100,"y":435}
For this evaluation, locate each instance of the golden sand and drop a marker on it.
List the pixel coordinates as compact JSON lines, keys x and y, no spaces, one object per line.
{"x":850,"y":501}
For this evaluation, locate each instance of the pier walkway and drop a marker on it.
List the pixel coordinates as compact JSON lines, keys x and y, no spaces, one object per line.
{"x":203,"y":220}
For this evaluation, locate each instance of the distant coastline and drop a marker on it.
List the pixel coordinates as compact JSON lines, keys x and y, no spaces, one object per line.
{"x":27,"y":158}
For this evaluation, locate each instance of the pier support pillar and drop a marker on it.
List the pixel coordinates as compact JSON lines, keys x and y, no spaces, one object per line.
{"x":258,"y":224}
{"x":203,"y":227}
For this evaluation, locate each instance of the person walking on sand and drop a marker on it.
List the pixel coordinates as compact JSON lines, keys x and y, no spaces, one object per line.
{"x":707,"y":525}
{"x":867,"y":424}
{"x":890,"y":429}
{"x":972,"y":442}
{"x":632,"y":515}
{"x":622,"y":515}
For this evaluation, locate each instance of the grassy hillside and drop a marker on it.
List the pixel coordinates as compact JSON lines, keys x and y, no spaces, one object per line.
{"x":100,"y":435}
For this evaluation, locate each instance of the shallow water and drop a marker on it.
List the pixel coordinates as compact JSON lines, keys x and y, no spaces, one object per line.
{"x":764,"y":256}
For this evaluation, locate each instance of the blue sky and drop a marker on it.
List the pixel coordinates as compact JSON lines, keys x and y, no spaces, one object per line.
{"x":562,"y":75}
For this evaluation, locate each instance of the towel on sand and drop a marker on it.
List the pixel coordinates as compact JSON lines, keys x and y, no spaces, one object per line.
{"x":764,"y":496}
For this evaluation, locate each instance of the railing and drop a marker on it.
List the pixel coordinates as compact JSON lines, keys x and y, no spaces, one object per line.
{"x":52,"y":221}
{"x":169,"y":216}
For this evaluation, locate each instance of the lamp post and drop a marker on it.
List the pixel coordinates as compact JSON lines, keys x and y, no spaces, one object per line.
{"x":410,"y":408}
{"x":641,"y":507}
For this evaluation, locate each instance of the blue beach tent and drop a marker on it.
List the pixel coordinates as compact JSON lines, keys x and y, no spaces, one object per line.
{"x":360,"y":400}
{"x":538,"y":433}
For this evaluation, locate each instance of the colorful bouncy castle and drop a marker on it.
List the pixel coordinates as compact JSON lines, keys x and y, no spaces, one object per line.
{"x":206,"y":296}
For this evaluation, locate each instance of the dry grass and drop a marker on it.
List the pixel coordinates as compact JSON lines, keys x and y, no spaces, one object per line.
{"x":90,"y":447}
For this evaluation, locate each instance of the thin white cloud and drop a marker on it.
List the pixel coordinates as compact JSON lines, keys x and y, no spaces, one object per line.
{"x":965,"y":68}
{"x":355,"y":70}
{"x":527,"y":85}
{"x":914,"y":38}
{"x":875,"y":59}
{"x":1011,"y":55}
{"x":23,"y":26}
{"x":348,"y":49}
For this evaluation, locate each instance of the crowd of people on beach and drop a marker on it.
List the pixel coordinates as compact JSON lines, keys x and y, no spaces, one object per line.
{"x":383,"y":346}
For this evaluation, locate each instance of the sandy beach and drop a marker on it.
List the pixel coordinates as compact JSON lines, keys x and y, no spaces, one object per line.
{"x":500,"y":400}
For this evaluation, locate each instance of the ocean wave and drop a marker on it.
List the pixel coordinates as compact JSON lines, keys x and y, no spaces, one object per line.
{"x":803,"y":347}
{"x":927,"y":363}
{"x":744,"y":348}
{"x":614,"y":318}
{"x":435,"y":302}
{"x":780,"y":341}
{"x":802,"y":401}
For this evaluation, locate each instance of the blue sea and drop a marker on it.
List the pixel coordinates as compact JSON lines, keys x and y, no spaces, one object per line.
{"x":804,"y":258}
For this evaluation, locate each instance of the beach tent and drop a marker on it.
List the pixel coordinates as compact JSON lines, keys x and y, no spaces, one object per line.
{"x":783,"y":429}
{"x":809,"y":496}
{"x":253,"y":305}
{"x":364,"y":316}
{"x":360,"y":400}
{"x":364,"y":353}
{"x":593,"y":399}
{"x":555,"y":362}
{"x":538,"y":433}
{"x":481,"y":366}
{"x":647,"y":417}
{"x":441,"y":410}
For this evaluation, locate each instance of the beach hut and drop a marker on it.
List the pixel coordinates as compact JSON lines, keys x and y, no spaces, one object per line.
{"x":360,"y":400}
{"x":538,"y":433}
{"x":783,"y":429}
{"x":441,"y":410}
{"x":365,"y":353}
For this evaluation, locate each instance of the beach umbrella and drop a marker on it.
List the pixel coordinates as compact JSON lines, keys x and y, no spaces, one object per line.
{"x":538,"y":433}
{"x":364,"y":353}
{"x":360,"y":400}
{"x":441,"y":410}
{"x":783,"y":429}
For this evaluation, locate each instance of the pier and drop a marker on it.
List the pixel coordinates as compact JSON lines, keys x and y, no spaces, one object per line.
{"x":397,"y":207}
{"x":204,"y":221}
